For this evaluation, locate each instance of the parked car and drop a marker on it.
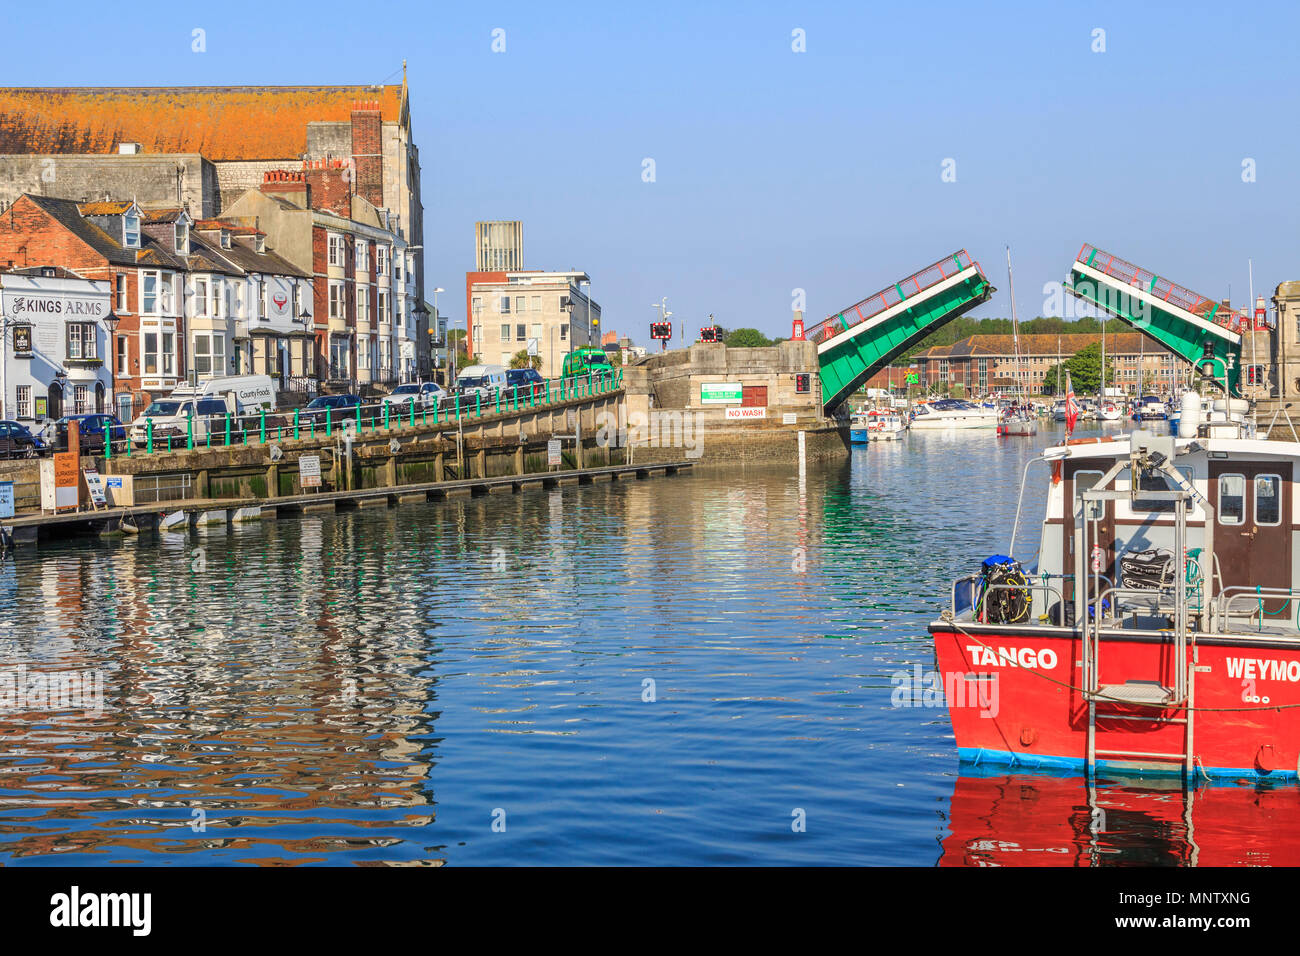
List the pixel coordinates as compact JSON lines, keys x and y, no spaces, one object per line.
{"x":524,"y":379}
{"x":422,"y":394}
{"x":91,"y":428}
{"x":17,"y":441}
{"x":585,"y":360}
{"x":481,"y":380}
{"x":340,"y":407}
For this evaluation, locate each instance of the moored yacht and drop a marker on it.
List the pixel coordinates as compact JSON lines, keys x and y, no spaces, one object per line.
{"x":1160,"y":630}
{"x":944,"y":413}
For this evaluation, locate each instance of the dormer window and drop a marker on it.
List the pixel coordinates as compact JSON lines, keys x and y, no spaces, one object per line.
{"x":131,"y":230}
{"x":225,"y":238}
{"x":182,"y":238}
{"x":260,"y":243}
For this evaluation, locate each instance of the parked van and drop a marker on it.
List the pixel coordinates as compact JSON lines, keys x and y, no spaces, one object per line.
{"x":179,"y":418}
{"x":203,"y":409}
{"x":582,"y":361}
{"x":252,"y":393}
{"x":482,"y":380}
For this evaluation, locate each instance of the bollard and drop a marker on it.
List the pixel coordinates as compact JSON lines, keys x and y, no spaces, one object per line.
{"x":498,"y":400}
{"x":329,"y":422}
{"x":424,"y":411}
{"x":148,"y":436}
{"x":457,"y":408}
{"x":227,"y":429}
{"x":295,"y":424}
{"x":313,"y":426}
{"x":516,"y":398}
{"x":189,"y":434}
{"x":387,"y":407}
{"x":262,"y":426}
{"x":478,"y":404}
{"x":108,"y":443}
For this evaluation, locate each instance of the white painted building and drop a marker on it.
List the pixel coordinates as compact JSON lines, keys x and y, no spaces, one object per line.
{"x":55,"y":345}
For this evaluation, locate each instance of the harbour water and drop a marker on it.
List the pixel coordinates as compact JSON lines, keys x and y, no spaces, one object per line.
{"x":692,"y":670}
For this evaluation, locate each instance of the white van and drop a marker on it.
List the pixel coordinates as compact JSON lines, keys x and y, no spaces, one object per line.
{"x":202,"y":409}
{"x":481,"y":380}
{"x":178,"y":418}
{"x":252,"y":393}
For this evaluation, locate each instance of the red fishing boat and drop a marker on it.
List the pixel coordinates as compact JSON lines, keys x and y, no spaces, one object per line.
{"x":1159,"y":631}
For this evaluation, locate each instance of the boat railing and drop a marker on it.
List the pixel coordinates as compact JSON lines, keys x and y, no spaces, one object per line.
{"x":1238,"y":595}
{"x":972,"y":593}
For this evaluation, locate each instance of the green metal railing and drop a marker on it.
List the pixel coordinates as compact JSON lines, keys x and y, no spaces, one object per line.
{"x":266,"y":426}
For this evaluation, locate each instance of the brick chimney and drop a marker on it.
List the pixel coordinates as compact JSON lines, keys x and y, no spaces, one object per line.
{"x":287,"y":184}
{"x":367,"y":152}
{"x":329,"y":185}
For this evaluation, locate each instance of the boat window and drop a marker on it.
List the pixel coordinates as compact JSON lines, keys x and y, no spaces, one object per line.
{"x":1084,"y":481}
{"x":1159,"y":481}
{"x":1268,"y":499}
{"x":1232,"y":499}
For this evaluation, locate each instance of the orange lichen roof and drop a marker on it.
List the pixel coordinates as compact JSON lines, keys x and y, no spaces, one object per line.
{"x":103,"y":208}
{"x":161,"y":215}
{"x":221,"y":122}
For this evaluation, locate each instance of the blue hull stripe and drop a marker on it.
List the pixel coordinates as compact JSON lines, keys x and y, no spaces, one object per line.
{"x":1005,"y":758}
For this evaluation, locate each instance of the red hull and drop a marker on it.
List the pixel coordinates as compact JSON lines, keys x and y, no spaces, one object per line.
{"x":1028,"y":716}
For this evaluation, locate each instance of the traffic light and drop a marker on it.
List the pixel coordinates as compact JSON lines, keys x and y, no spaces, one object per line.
{"x":663,"y":331}
{"x":711,"y":333}
{"x":803,"y":382}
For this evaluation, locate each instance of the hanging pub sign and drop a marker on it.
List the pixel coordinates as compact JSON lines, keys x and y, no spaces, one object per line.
{"x":22,"y":341}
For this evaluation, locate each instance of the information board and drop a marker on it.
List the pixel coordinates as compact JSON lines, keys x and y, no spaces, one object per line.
{"x":553,"y":453}
{"x":6,"y":499}
{"x":95,"y":487}
{"x":309,"y":471}
{"x":721,"y":393}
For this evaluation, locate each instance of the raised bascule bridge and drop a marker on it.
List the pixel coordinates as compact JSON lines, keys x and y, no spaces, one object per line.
{"x":1202,"y":331}
{"x":857,"y":342}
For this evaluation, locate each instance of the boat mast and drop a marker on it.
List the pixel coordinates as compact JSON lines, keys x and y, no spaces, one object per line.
{"x":1015,"y":332}
{"x":1102,"y":397}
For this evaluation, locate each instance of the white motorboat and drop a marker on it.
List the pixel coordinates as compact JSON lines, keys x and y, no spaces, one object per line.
{"x":885,"y":426}
{"x":944,"y":413}
{"x":1109,"y":411}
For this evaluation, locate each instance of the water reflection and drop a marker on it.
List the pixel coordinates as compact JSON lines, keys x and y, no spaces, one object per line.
{"x":1035,"y":820}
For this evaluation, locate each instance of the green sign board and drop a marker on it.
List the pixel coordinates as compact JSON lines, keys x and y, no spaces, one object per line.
{"x":721,"y":393}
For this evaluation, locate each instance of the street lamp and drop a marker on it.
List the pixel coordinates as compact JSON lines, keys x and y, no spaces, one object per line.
{"x":110,"y":322}
{"x":452,"y":362}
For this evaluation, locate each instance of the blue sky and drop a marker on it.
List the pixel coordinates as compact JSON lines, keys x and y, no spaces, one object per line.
{"x":777,"y":170}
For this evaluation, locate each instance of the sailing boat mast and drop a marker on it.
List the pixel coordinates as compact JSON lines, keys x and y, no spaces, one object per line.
{"x":1015,"y":333}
